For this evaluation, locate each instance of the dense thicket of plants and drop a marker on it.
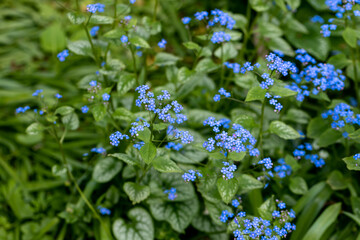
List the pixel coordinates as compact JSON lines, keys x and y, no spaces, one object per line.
{"x":185,"y":119}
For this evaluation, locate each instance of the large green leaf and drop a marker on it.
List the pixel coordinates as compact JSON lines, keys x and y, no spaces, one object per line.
{"x":330,"y":136}
{"x":71,"y":121}
{"x":298,"y":185}
{"x":351,"y":163}
{"x":350,"y":36}
{"x":165,"y":59}
{"x":35,"y":129}
{"x":227,"y":51}
{"x":178,"y":214}
{"x":139,"y":42}
{"x":266,"y":209}
{"x":126,"y":82}
{"x":255,"y":93}
{"x":164,"y":164}
{"x":80,"y":47}
{"x":106,"y":169}
{"x":76,"y":18}
{"x":248,"y":183}
{"x":282,"y":130}
{"x":53,"y":38}
{"x":126,"y":158}
{"x":322,"y":223}
{"x":227,"y":188}
{"x":98,"y":19}
{"x":98,"y":111}
{"x":140,"y":226}
{"x":136,"y":192}
{"x":148,"y":152}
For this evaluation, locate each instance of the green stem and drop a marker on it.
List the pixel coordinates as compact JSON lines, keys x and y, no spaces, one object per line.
{"x":91,"y":42}
{"x":155,"y":9}
{"x":72,"y":178}
{"x":134,"y":65}
{"x":247,"y":33}
{"x":259,"y":142}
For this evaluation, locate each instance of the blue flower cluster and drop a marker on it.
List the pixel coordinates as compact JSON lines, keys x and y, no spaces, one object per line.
{"x":222,"y":92}
{"x":356,"y":156}
{"x":58,"y":96}
{"x":139,"y":145}
{"x":138,"y":126}
{"x":171,"y":193}
{"x":276,"y":63}
{"x":220,"y":37}
{"x":191,"y":175}
{"x":236,"y":67}
{"x":267,"y":163}
{"x":315,"y":78}
{"x":186,"y":20}
{"x":116,"y":137}
{"x":258,"y":228}
{"x":341,"y":115}
{"x":161,"y":108}
{"x":282,"y":170}
{"x":21,"y":109}
{"x":228,"y":170}
{"x":342,"y":9}
{"x":238,"y":139}
{"x":98,"y":150}
{"x":317,"y":18}
{"x":104,"y":211}
{"x":175,"y":146}
{"x":37,"y":92}
{"x":63,"y":55}
{"x":94,"y":31}
{"x":162,"y":43}
{"x":97,"y":7}
{"x":273,"y":101}
{"x":301,"y":151}
{"x":268,"y":81}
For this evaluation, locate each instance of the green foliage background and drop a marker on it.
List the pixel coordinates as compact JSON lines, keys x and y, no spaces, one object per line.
{"x":38,"y":198}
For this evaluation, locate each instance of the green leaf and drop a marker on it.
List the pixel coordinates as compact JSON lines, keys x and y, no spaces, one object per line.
{"x":227,"y":188}
{"x":316,"y":127}
{"x":148,"y":152}
{"x":80,"y":47}
{"x":247,"y":80}
{"x":269,"y":30}
{"x":322,"y":223}
{"x":53,"y":38}
{"x":139,"y":42}
{"x":163,"y":164}
{"x":160,"y":126}
{"x":98,"y":19}
{"x":319,"y":5}
{"x":178,"y":214}
{"x":136,"y":192}
{"x":292,"y":162}
{"x":282,"y":91}
{"x":259,"y":5}
{"x":192,"y":46}
{"x":282,"y":130}
{"x":281,"y":4}
{"x":115,"y":33}
{"x":76,"y":18}
{"x":204,"y":223}
{"x":165,"y":59}
{"x":294,"y":24}
{"x":350,"y":36}
{"x":351,"y":163}
{"x":266,"y":209}
{"x":234,"y":156}
{"x":336,"y":180}
{"x":298,"y":185}
{"x":248,"y":183}
{"x":123,"y":114}
{"x":184,"y":75}
{"x":297,"y":115}
{"x":126,"y":82}
{"x":106,"y":169}
{"x":64,"y":110}
{"x":34,"y":129}
{"x":188,"y":155}
{"x":255,"y":93}
{"x":206,"y":65}
{"x":145,"y":135}
{"x":229,"y":51}
{"x":140,"y":226}
{"x":71,"y":121}
{"x":246,"y":121}
{"x":330,"y":136}
{"x":98,"y":111}
{"x":339,"y":61}
{"x":355,"y":135}
{"x":294,"y":4}
{"x":282,"y":45}
{"x":126,"y":158}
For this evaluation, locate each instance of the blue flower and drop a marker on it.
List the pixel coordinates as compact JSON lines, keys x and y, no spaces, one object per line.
{"x":171,"y":193}
{"x":175,"y":146}
{"x":191,"y":175}
{"x":94,"y":30}
{"x":124,"y":39}
{"x":139,"y":145}
{"x":104,"y":211}
{"x":317,"y":18}
{"x":228,"y":170}
{"x":127,"y":18}
{"x":58,"y":96}
{"x":201,"y":15}
{"x":98,"y":150}
{"x":267,"y":163}
{"x":97,"y":7}
{"x":132,"y":1}
{"x":63,"y":55}
{"x":116,"y":137}
{"x":235,"y":203}
{"x":162,"y":43}
{"x":186,"y":20}
{"x":93,"y":83}
{"x":106,"y":97}
{"x":36,"y":93}
{"x":220,"y":37}
{"x":22,"y":109}
{"x":84,"y":109}
{"x":356,"y":156}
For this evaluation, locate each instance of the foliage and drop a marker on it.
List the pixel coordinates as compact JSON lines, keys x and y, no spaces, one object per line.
{"x":177,"y":120}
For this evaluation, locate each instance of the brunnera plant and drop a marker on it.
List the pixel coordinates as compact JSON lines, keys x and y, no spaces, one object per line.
{"x":218,"y":131}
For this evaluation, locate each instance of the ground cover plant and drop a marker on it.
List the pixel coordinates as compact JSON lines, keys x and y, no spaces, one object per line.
{"x":134,"y":119}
